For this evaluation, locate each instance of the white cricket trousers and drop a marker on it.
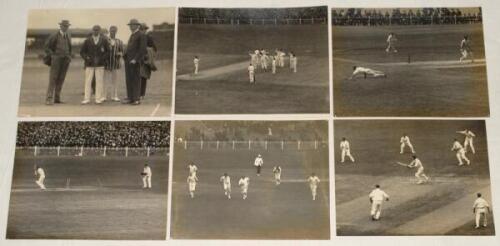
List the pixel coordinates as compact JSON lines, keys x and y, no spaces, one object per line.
{"x":314,"y":189}
{"x":146,"y":181}
{"x":376,"y":209}
{"x":195,"y":68}
{"x":346,"y":152}
{"x":110,"y":86}
{"x":403,"y":145}
{"x":40,"y":183}
{"x":192,"y":187}
{"x":468,"y":143}
{"x":461,"y":156}
{"x":479,"y":212}
{"x":251,"y":76}
{"x":90,"y":72}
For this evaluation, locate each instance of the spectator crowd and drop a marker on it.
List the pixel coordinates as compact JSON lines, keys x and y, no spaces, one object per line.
{"x":155,"y":134}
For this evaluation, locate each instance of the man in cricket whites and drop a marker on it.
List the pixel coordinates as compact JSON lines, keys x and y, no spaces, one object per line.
{"x":244,"y":182}
{"x":192,"y":180}
{"x":460,"y":153}
{"x":469,"y":139}
{"x":377,"y":197}
{"x":313,"y":181}
{"x":481,"y":208}
{"x":226,"y":184}
{"x":146,"y":177}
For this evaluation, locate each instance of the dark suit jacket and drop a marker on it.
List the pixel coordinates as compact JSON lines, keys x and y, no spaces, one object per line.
{"x":95,"y":55}
{"x":51,"y":42}
{"x":136,"y":47}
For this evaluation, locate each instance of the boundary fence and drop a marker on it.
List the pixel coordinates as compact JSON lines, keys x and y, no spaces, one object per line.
{"x":408,"y":20}
{"x":92,"y":151}
{"x":254,"y":145}
{"x":250,"y":21}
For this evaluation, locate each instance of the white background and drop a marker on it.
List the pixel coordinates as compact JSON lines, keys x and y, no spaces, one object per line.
{"x":13,"y":20}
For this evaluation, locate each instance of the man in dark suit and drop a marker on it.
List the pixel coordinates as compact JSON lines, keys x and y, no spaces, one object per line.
{"x":94,"y":51}
{"x":134,"y":54}
{"x":58,"y":48}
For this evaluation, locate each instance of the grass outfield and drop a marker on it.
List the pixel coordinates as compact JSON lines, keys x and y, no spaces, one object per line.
{"x":228,"y":91}
{"x":35,"y":81}
{"x":445,"y":202}
{"x":270,"y":212}
{"x":440,"y":89}
{"x":104,"y":199}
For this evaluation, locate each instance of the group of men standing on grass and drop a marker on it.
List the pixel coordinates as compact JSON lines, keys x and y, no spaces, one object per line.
{"x":102,"y":53}
{"x":260,"y":59}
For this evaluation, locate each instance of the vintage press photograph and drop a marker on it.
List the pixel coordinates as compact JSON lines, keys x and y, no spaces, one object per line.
{"x":90,"y":180}
{"x":412,"y":177}
{"x":252,"y":61}
{"x":426,"y":62}
{"x":250,"y":180}
{"x":98,"y":62}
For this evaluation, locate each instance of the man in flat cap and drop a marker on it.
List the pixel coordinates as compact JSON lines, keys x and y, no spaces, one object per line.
{"x":94,"y":51}
{"x":134,"y":54}
{"x":58,"y":51}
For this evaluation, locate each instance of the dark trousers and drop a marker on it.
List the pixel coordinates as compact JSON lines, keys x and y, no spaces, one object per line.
{"x":57,"y":74}
{"x":258,"y":169}
{"x":133,"y":81}
{"x":144,"y":83}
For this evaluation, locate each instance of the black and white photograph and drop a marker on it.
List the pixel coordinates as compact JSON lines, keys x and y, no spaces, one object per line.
{"x":252,"y":61}
{"x":250,"y":180}
{"x":412,"y":177}
{"x":90,"y":180}
{"x":98,"y":62}
{"x":419,"y":62}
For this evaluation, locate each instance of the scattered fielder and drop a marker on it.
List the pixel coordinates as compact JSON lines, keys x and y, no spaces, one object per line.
{"x":192,"y":180}
{"x":460,"y":153}
{"x":293,"y":62}
{"x":405,"y":141}
{"x":346,"y":150}
{"x":365,"y":72}
{"x":377,"y":197}
{"x":481,"y":207}
{"x":391,"y":43}
{"x":243,"y":183}
{"x":313,"y":184}
{"x":193,"y":169}
{"x":226,"y":184}
{"x":40,"y":175}
{"x":420,"y":175}
{"x":465,"y":49}
{"x":196,"y":62}
{"x":251,"y":73}
{"x":468,"y":142}
{"x":146,"y":177}
{"x":258,"y":163}
{"x":277,"y":174}
{"x":273,"y":65}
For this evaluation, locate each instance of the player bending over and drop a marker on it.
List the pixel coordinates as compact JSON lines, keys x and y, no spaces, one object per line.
{"x":226,"y":184}
{"x":277,"y":175}
{"x":465,"y":49}
{"x":40,"y":176}
{"x":420,"y":175}
{"x":366,"y":72}
{"x":146,"y":177}
{"x":460,"y":153}
{"x":313,"y":184}
{"x":481,"y":207}
{"x":377,"y":197}
{"x":391,"y":43}
{"x":192,"y":180}
{"x":405,"y":141}
{"x":468,"y":142}
{"x":244,"y":183}
{"x":346,"y":150}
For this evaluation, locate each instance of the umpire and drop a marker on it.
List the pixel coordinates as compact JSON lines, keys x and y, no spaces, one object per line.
{"x":58,"y":57}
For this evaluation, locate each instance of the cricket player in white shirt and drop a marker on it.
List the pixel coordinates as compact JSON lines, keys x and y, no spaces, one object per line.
{"x":405,"y":141}
{"x":244,"y":183}
{"x":377,"y":197}
{"x":469,"y":138}
{"x":420,"y":175}
{"x":366,"y":72}
{"x":40,"y":175}
{"x":346,"y":150}
{"x":481,"y":208}
{"x":196,"y":62}
{"x":193,"y":169}
{"x":465,"y":49}
{"x":277,"y":175}
{"x":281,"y":58}
{"x":313,"y":184}
{"x":251,"y":73}
{"x":192,"y":180}
{"x":263,"y":60}
{"x":460,"y":153}
{"x":391,"y":43}
{"x":226,"y":184}
{"x":259,"y":161}
{"x":253,"y":57}
{"x":273,"y":65}
{"x":146,"y":177}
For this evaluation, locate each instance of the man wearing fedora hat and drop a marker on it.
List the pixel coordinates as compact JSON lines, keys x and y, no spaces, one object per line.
{"x":134,"y":54}
{"x":58,"y":49}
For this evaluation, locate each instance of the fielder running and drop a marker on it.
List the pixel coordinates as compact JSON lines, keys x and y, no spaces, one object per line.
{"x":481,"y":208}
{"x":277,"y":175}
{"x":391,"y":43}
{"x":465,"y":49}
{"x":346,"y":150}
{"x":468,"y":142}
{"x":258,"y":163}
{"x":366,"y":72}
{"x":192,"y":180}
{"x":193,"y":169}
{"x":377,"y":197}
{"x":420,"y":175}
{"x":146,"y":177}
{"x":244,"y":183}
{"x":226,"y":184}
{"x":313,"y":184}
{"x":40,"y":175}
{"x":460,"y":152}
{"x":405,"y":141}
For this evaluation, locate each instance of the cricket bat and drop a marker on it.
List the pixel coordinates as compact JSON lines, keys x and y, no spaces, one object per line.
{"x":402,"y":164}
